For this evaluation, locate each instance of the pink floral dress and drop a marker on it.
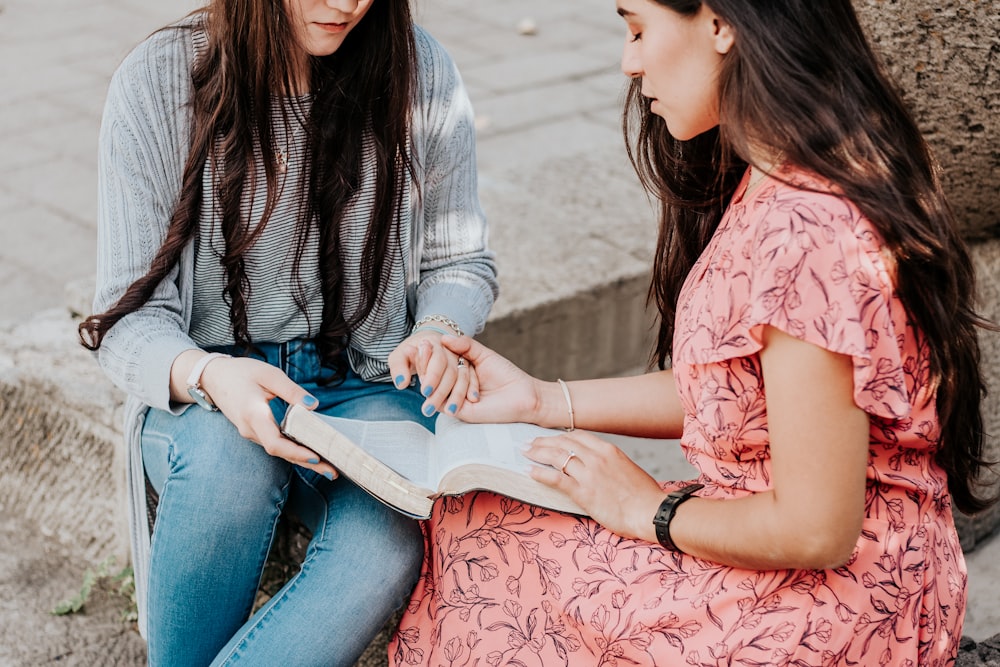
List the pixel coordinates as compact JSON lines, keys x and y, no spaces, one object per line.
{"x":505,"y":583}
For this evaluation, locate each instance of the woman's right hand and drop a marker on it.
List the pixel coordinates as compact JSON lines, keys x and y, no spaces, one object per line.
{"x":242,"y":387}
{"x":506,"y":393}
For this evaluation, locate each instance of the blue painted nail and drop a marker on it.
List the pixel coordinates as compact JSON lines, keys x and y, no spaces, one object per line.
{"x":328,"y":475}
{"x":475,"y":394}
{"x":427,"y":390}
{"x":429,"y":410}
{"x":309,"y":401}
{"x":399,"y":380}
{"x":452,"y":408}
{"x":313,"y":461}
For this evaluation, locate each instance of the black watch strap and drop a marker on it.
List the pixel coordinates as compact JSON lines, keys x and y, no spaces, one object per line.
{"x":665,"y":514}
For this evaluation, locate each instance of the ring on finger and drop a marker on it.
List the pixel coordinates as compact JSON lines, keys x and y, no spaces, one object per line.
{"x":569,"y":457}
{"x":461,"y":362}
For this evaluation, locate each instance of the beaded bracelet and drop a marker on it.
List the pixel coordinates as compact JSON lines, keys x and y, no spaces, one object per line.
{"x":425,"y":323}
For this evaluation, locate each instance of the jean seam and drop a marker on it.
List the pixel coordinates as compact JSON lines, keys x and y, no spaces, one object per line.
{"x":274,"y":603}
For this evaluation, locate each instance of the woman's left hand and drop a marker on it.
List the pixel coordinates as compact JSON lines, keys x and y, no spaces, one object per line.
{"x":447,"y":381}
{"x":601,"y":479}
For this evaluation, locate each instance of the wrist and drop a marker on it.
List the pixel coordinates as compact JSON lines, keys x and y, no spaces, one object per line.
{"x":439,"y":323}
{"x":195,"y":380}
{"x":552,"y":408}
{"x":667,"y":511}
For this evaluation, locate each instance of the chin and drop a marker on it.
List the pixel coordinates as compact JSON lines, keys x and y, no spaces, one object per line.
{"x":687,"y":132}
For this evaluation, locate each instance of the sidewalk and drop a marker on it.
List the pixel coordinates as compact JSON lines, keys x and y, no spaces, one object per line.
{"x":566,"y":214}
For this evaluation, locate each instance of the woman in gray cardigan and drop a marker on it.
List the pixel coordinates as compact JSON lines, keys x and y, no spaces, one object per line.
{"x":287,"y":214}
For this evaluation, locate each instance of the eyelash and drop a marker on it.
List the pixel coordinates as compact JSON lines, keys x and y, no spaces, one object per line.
{"x":635,"y":37}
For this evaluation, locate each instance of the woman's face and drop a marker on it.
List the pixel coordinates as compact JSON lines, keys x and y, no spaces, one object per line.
{"x":323,"y":25}
{"x":678,"y":58}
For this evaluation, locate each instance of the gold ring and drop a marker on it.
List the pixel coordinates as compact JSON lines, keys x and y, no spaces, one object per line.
{"x":572,"y":455}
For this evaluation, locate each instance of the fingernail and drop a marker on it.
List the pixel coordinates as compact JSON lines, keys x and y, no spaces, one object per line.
{"x":475,"y":394}
{"x":452,"y":408}
{"x":328,"y":475}
{"x":399,"y":380}
{"x":309,"y":401}
{"x":429,"y":410}
{"x":427,"y":390}
{"x":313,"y":461}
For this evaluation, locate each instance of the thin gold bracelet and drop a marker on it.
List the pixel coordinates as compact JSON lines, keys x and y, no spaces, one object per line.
{"x":569,"y":404}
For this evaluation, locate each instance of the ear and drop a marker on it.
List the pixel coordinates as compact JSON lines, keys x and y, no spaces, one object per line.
{"x":723,"y":36}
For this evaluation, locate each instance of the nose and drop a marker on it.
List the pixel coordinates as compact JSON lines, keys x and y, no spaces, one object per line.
{"x":631,"y":63}
{"x":345,"y":6}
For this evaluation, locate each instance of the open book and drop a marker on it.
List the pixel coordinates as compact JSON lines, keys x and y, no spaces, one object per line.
{"x":406,"y":466}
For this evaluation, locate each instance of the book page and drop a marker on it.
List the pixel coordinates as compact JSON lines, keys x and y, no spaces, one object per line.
{"x":404,"y":446}
{"x":460,"y":443}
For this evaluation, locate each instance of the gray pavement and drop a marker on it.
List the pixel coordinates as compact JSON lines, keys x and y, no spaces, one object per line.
{"x":549,"y":141}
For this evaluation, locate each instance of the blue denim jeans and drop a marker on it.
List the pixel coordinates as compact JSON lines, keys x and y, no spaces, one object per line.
{"x":220,"y":500}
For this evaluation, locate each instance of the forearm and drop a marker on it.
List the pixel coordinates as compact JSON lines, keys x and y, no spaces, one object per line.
{"x":643,"y":405}
{"x":758,"y":532}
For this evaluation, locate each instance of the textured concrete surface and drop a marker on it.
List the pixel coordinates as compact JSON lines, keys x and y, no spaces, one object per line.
{"x":945,"y":56}
{"x":572,"y":230}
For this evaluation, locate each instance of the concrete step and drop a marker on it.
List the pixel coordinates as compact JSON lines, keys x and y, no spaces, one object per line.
{"x":572,"y":307}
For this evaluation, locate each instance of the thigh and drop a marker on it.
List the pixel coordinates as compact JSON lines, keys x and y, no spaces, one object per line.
{"x":203,"y":449}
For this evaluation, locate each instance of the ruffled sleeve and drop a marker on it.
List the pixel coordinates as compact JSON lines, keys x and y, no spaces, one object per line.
{"x":811,"y":265}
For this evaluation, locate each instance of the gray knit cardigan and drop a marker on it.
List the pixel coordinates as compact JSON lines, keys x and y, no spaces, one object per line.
{"x":144,"y":141}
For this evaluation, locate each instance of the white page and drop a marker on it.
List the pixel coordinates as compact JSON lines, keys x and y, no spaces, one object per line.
{"x":499,"y":445}
{"x":404,"y":446}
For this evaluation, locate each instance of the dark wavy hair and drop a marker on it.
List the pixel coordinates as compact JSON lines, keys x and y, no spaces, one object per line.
{"x":801,"y":81}
{"x":364,"y":91}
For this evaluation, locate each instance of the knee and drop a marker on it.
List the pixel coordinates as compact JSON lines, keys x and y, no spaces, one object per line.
{"x":212,"y":472}
{"x":382,"y":540}
{"x":395,"y":556}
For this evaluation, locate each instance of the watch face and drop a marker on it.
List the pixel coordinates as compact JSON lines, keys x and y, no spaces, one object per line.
{"x":201,"y":398}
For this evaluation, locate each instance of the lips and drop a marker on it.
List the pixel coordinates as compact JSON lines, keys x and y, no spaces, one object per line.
{"x":332,"y":27}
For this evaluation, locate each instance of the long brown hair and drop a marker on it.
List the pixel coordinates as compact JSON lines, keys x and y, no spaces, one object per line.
{"x":364,"y":91}
{"x":802,"y":82}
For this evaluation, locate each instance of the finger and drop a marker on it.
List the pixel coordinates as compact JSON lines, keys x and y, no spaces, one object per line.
{"x":295,"y":453}
{"x":438,"y":380}
{"x":463,"y":346}
{"x":554,"y":451}
{"x":460,"y":390}
{"x":402,"y":364}
{"x":425,"y":352}
{"x":275,"y":444}
{"x":553,"y":478}
{"x":472,"y":395}
{"x":279,"y":385}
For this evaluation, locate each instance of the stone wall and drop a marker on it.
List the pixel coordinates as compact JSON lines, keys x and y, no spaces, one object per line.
{"x":945,"y":55}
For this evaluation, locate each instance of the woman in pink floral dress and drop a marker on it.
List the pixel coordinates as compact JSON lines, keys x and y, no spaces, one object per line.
{"x":816,"y":311}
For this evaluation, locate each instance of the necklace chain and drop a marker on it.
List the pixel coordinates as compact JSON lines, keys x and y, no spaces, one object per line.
{"x":755,"y":177}
{"x":281,"y":157}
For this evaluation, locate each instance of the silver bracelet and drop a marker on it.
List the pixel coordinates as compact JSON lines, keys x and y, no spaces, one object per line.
{"x":569,"y":405}
{"x":426,"y":320}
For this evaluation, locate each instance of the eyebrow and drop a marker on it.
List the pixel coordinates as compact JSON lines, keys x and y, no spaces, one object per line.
{"x":624,"y":13}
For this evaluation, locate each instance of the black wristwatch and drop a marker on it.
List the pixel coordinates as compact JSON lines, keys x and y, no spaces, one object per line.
{"x":665,"y":514}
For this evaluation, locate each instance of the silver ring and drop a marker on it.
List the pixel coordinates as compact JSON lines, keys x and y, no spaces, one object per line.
{"x":572,"y":455}
{"x":461,"y":362}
